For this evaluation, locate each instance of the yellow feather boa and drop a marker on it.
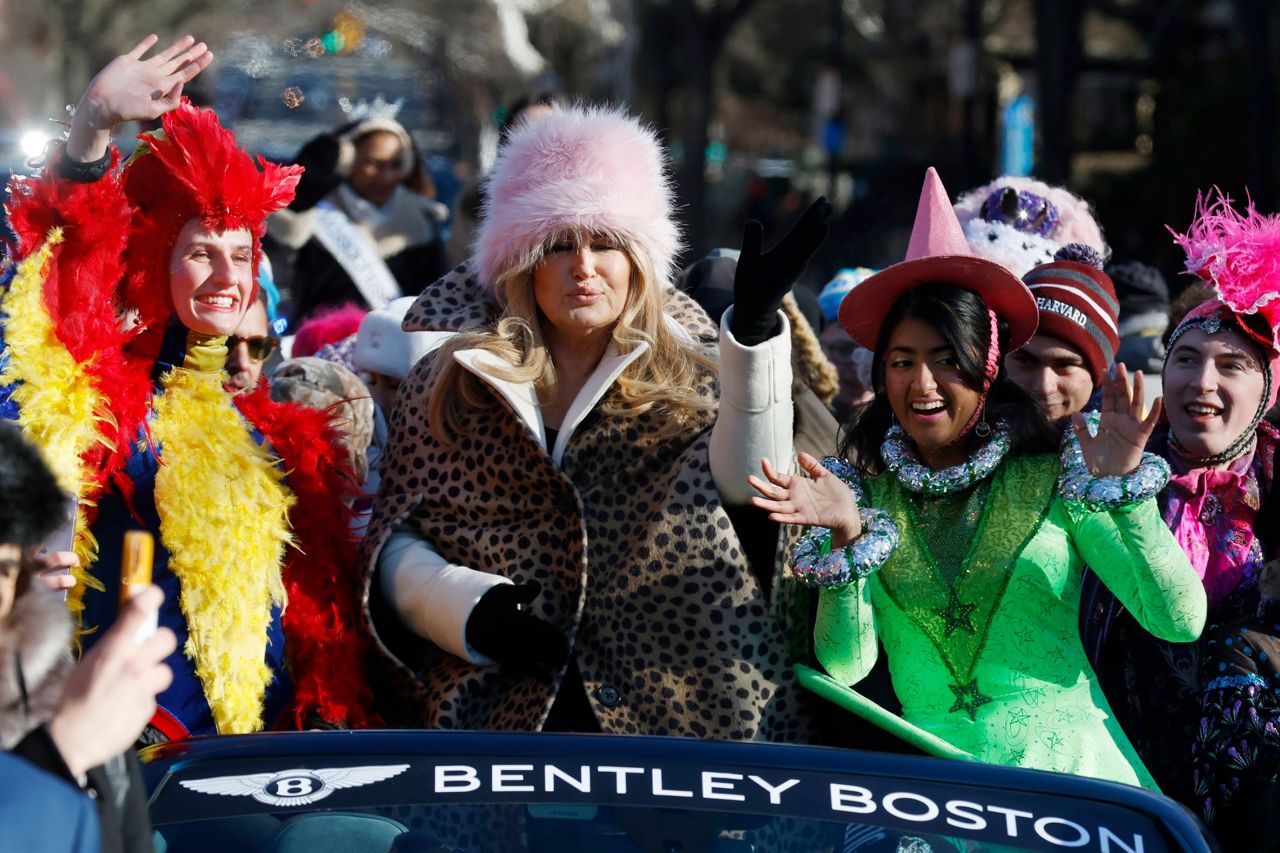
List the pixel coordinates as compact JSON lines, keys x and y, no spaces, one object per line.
{"x":224,"y":519}
{"x":60,"y":407}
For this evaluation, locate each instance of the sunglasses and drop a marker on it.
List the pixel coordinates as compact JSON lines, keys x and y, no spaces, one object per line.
{"x":260,"y":349}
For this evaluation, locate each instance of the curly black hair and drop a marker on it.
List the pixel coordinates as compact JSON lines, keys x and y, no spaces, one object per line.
{"x":31,"y":503}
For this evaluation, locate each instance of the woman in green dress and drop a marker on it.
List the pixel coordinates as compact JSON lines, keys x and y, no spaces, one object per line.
{"x":957,"y":537}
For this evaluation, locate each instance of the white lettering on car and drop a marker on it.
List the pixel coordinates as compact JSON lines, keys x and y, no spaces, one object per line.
{"x":505,"y":777}
{"x":775,"y":791}
{"x":851,"y":798}
{"x":622,"y":773}
{"x":970,"y":813}
{"x":890,"y":804}
{"x":1041,"y":828}
{"x":456,"y":779}
{"x":660,"y":791}
{"x":1010,"y":818}
{"x":719,"y":786}
{"x":580,"y":783}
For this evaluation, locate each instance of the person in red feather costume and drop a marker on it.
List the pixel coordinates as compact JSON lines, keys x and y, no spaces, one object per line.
{"x":245,"y":495}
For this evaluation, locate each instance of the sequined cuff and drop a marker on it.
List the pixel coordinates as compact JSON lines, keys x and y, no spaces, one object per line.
{"x":1109,"y":494}
{"x":816,"y":564}
{"x":77,"y":172}
{"x":848,"y":475}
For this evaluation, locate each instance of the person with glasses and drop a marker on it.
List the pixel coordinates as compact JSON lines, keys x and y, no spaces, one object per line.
{"x":244,"y":495}
{"x":248,"y":350}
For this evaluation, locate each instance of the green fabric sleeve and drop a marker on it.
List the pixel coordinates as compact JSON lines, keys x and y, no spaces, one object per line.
{"x":844,"y":633}
{"x":1136,"y":556}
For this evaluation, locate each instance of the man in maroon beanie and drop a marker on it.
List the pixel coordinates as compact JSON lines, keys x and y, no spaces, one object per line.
{"x":1076,"y":341}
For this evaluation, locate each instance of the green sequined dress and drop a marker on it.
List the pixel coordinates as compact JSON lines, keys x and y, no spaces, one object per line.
{"x":977,"y":610}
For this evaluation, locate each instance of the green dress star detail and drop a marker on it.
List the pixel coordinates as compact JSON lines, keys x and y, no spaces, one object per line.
{"x":977,"y":610}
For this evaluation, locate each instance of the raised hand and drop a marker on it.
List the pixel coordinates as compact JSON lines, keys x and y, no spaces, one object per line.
{"x":1122,"y":431}
{"x":821,"y":501}
{"x":130,"y":88}
{"x":763,"y":278}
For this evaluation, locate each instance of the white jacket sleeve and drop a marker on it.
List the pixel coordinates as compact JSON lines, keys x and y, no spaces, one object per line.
{"x":433,"y":597}
{"x":756,"y":418}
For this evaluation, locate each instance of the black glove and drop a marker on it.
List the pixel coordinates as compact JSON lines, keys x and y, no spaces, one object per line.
{"x":515,"y":638}
{"x":762,"y":279}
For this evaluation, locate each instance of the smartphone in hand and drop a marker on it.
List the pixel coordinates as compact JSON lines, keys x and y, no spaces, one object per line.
{"x":64,"y":537}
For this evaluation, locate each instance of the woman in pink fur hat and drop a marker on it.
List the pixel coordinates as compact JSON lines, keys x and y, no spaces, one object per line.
{"x":550,"y":548}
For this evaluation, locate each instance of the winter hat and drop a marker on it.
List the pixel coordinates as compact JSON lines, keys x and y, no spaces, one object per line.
{"x":1077,"y":303}
{"x":709,"y":280}
{"x":834,"y":292}
{"x":192,"y":169}
{"x":581,"y":168}
{"x":1020,"y":223}
{"x":347,"y":144}
{"x":1140,"y":288}
{"x":383,"y":347}
{"x":328,"y":386}
{"x":1239,"y":254}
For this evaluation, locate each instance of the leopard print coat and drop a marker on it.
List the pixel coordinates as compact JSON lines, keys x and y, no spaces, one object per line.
{"x":638,"y":562}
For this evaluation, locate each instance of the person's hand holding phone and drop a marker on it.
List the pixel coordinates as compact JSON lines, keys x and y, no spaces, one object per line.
{"x":110,"y":696}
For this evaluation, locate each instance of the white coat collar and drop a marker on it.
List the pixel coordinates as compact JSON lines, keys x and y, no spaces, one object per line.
{"x":523,"y":398}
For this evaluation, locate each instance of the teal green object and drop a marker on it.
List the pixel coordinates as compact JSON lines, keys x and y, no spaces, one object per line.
{"x":979,"y":619}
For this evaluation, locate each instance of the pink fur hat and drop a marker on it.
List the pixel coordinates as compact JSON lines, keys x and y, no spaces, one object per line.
{"x":1028,"y":233}
{"x":581,"y":168}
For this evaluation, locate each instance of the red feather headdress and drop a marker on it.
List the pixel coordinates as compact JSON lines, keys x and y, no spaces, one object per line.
{"x":1239,"y":254}
{"x":192,"y":168}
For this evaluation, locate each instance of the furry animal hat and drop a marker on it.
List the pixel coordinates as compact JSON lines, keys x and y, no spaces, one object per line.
{"x":192,"y":168}
{"x":1020,"y":223}
{"x":581,"y":168}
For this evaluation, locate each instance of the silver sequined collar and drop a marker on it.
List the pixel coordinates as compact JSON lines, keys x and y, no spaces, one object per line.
{"x":915,"y":476}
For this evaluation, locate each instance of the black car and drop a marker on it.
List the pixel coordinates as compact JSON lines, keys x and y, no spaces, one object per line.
{"x":382,"y":791}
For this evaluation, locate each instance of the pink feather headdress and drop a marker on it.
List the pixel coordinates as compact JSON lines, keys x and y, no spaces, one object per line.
{"x":579,"y":169}
{"x":1239,"y":254}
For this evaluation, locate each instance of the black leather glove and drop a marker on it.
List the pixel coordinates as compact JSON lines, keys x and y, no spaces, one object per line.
{"x":763,"y":278}
{"x":515,"y":638}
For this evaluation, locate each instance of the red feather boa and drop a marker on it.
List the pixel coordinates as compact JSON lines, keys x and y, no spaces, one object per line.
{"x":329,"y":653}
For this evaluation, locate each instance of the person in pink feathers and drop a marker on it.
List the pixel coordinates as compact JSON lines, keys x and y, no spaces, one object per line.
{"x":549,"y":549}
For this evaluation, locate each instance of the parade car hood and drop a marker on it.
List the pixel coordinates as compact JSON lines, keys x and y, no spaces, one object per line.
{"x":434,"y":790}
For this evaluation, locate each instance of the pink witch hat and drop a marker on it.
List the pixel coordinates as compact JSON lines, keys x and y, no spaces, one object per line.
{"x":938,"y":252}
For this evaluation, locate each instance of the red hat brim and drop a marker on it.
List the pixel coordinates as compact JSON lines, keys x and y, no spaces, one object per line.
{"x":863,"y":310}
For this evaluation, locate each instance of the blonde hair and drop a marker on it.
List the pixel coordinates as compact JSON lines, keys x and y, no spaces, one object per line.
{"x":666,"y":375}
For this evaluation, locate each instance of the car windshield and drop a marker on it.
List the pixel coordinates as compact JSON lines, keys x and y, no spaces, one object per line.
{"x":383,"y":802}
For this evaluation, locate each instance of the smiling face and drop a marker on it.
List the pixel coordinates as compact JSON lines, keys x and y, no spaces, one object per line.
{"x":582,"y":287}
{"x":927,"y":392}
{"x":211,"y":278}
{"x":1053,"y":372}
{"x":1213,"y":387}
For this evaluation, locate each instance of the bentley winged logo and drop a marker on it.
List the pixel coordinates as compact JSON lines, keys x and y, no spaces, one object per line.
{"x":299,"y":787}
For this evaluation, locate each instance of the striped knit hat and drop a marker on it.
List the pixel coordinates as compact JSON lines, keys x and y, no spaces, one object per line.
{"x":1078,"y":305}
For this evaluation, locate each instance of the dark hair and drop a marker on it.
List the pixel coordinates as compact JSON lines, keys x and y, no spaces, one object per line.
{"x":960,"y":316}
{"x":511,"y":114}
{"x":31,"y":503}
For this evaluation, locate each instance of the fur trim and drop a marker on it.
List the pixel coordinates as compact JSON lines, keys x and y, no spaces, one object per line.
{"x":225,"y":552}
{"x":35,"y":638}
{"x":1018,"y":251}
{"x":580,"y":168}
{"x":329,"y":654}
{"x":1239,"y":253}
